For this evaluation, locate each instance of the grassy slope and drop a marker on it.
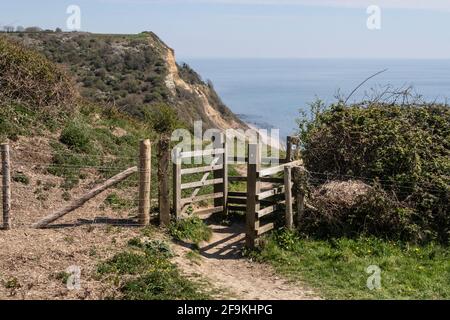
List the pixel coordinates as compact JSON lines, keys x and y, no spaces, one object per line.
{"x":143,"y":271}
{"x":82,"y":137}
{"x":337,"y":268}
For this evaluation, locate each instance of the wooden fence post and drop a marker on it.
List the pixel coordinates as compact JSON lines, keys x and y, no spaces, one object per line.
{"x":163,"y":180}
{"x":6,"y":187}
{"x":145,"y":167}
{"x":176,"y":192}
{"x":288,"y":149}
{"x":288,"y":197}
{"x":253,"y":188}
{"x":220,"y":142}
{"x":225,"y":176}
{"x":300,"y":175}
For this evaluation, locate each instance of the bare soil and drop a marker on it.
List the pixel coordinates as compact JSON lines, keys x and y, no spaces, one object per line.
{"x":223,"y":265}
{"x":32,"y":261}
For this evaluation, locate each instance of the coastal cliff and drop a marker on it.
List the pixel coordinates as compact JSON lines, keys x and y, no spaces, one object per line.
{"x":133,"y":73}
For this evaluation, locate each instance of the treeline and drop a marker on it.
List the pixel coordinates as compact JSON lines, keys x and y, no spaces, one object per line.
{"x":19,"y":29}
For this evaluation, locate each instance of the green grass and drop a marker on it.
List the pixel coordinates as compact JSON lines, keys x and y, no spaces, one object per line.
{"x":337,"y":268}
{"x":21,"y":178}
{"x":192,"y":229}
{"x":145,"y":272}
{"x":118,"y":203}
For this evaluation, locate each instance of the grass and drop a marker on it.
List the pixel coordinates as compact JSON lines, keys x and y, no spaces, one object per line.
{"x":21,"y":178}
{"x":63,"y":276}
{"x":87,"y":142}
{"x":118,"y":203}
{"x":192,"y":229}
{"x":337,"y":268}
{"x":144,"y":272}
{"x":194,"y":257}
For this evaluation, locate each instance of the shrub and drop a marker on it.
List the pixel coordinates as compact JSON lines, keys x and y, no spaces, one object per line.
{"x":76,"y":136}
{"x":162,"y":118}
{"x":30,"y":78}
{"x":352,"y":208}
{"x":148,"y":273}
{"x":21,"y":178}
{"x":407,"y":148}
{"x":191,"y":229}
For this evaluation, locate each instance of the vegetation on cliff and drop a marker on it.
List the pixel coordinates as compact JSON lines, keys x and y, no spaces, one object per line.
{"x":132,"y":73}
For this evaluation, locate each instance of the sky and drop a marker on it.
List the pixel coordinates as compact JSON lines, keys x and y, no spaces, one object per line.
{"x":409,"y":29}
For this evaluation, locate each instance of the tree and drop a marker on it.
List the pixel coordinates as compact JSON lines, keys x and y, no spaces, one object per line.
{"x":33,"y":29}
{"x":8,"y":29}
{"x":163,"y":119}
{"x":20,"y":29}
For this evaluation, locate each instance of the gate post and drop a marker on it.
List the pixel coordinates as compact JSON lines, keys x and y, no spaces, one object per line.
{"x":221,"y":142}
{"x":176,"y":192}
{"x":253,"y":189}
{"x":300,"y":177}
{"x":163,"y":180}
{"x":6,"y":186}
{"x":289,"y":149}
{"x":289,"y":219}
{"x":145,"y":167}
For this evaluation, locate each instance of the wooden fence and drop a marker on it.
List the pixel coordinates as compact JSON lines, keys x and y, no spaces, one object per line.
{"x":218,"y":168}
{"x":268,"y":189}
{"x":143,"y":169}
{"x":263,"y":204}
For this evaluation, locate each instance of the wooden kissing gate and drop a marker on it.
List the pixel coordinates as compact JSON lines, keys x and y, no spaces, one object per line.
{"x":268,"y":188}
{"x":266,"y":195}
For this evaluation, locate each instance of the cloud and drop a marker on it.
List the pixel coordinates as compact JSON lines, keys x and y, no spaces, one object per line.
{"x":397,"y":4}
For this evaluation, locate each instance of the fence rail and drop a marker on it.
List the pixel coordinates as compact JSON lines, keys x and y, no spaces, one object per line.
{"x":267,"y":192}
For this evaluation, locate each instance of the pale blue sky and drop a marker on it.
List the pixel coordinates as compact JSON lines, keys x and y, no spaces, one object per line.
{"x":259,"y":28}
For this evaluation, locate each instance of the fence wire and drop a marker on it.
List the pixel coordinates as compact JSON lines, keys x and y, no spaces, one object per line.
{"x":41,"y":186}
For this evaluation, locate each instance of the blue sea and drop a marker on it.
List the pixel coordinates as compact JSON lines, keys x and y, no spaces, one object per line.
{"x":270,"y":92}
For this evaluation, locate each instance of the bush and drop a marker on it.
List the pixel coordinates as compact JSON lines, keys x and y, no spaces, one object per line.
{"x":191,"y":229}
{"x":352,"y":209}
{"x":30,"y":78}
{"x":407,"y":148}
{"x":162,"y":118}
{"x":76,"y":136}
{"x":21,"y":178}
{"x":148,"y":274}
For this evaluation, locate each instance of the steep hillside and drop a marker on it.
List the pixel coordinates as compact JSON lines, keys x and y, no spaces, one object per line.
{"x":133,"y":72}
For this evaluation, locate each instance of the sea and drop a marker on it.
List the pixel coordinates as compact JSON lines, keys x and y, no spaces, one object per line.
{"x":269,"y":93}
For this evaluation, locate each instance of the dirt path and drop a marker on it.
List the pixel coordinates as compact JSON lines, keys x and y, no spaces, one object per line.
{"x":223,"y":265}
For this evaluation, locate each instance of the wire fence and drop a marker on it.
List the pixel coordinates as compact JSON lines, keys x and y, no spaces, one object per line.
{"x":41,"y":185}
